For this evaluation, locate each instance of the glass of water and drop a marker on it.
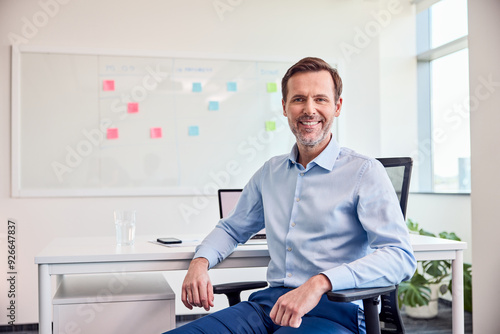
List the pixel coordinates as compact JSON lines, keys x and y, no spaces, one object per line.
{"x":125,"y":227}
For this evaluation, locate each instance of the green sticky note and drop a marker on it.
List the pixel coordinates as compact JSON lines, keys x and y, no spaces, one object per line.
{"x":270,"y":125}
{"x":272,"y":87}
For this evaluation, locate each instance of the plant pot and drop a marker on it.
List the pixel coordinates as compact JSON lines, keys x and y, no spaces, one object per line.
{"x":427,"y":311}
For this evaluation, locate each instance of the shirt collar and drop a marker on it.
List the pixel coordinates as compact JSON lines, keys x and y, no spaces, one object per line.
{"x":326,"y":159}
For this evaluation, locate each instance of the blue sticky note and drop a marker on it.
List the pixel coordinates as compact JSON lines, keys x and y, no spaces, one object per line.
{"x":196,"y":87}
{"x":213,"y":105}
{"x":194,"y":130}
{"x":231,"y":86}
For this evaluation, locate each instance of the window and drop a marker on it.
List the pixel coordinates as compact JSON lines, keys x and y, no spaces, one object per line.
{"x":448,"y":20}
{"x":443,"y":163}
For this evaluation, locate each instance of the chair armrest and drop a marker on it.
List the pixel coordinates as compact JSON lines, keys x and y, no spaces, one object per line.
{"x":370,"y":303}
{"x":233,"y":290}
{"x":350,"y":295}
{"x":238,"y":286}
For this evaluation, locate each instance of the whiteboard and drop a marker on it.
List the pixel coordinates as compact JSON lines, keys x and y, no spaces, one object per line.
{"x":96,"y":123}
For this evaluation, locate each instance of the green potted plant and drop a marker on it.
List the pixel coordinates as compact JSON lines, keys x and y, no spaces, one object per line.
{"x":421,"y":292}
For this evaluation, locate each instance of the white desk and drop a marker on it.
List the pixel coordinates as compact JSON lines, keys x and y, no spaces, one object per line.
{"x":100,"y":255}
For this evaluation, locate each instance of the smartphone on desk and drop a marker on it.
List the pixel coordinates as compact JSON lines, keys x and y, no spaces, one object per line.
{"x":168,"y":241}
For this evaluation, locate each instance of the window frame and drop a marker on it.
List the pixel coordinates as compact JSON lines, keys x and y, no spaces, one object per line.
{"x":425,"y":55}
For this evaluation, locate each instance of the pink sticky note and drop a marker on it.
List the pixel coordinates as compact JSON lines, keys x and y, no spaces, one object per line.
{"x":132,"y":107}
{"x":156,"y":133}
{"x":108,"y":85}
{"x":112,"y":133}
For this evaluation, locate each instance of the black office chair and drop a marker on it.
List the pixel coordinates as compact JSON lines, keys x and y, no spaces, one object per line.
{"x":399,"y":171}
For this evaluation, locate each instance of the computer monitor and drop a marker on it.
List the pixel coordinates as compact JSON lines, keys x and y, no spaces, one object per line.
{"x":227,"y":201}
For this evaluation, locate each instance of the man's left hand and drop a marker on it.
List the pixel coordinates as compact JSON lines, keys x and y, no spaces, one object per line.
{"x":292,"y":306}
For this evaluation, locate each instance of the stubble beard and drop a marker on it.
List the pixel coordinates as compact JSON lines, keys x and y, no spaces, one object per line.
{"x":310,"y":142}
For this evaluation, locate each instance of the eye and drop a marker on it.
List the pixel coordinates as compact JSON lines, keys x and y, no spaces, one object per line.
{"x":298,"y":99}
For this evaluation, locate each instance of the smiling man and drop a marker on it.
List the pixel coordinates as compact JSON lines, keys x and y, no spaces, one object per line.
{"x":310,"y":103}
{"x":332,"y":221}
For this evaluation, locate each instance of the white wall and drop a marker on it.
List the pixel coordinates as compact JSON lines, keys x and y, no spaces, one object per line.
{"x":371,"y":69}
{"x":484,"y":52}
{"x":398,"y":80}
{"x":438,"y":213}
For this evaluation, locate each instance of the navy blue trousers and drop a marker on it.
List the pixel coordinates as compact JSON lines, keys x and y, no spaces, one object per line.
{"x":253,"y":317}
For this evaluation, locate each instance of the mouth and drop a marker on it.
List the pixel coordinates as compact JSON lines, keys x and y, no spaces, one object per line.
{"x":309,"y":123}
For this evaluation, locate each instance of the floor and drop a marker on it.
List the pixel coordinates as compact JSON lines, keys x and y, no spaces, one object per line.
{"x":439,"y":325}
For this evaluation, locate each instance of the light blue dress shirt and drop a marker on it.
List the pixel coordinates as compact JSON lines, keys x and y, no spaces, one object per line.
{"x":339,"y":216}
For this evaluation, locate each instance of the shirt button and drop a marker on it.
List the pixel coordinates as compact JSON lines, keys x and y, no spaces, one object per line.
{"x":297,"y":199}
{"x":289,"y":275}
{"x":289,"y":249}
{"x":293,"y":224}
{"x":301,"y":174}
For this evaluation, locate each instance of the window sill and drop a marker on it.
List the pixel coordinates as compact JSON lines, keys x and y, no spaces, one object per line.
{"x":440,"y":193}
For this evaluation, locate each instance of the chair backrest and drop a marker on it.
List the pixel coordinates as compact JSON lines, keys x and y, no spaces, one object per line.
{"x":399,"y":171}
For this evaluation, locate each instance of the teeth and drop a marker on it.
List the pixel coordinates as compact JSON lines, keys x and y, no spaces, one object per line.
{"x":310,"y":123}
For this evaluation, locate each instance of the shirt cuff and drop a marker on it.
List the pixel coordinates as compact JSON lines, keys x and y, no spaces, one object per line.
{"x":211,"y":255}
{"x":340,"y":277}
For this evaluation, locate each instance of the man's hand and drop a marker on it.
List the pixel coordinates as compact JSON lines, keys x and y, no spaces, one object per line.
{"x":291,"y":307}
{"x":197,"y":289}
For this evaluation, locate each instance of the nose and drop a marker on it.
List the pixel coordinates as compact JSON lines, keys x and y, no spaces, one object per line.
{"x":309,"y":107}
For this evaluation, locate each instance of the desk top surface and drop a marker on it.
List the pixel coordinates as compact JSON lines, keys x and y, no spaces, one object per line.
{"x":104,"y":249}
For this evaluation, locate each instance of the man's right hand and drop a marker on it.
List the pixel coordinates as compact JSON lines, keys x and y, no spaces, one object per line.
{"x":197,"y":289}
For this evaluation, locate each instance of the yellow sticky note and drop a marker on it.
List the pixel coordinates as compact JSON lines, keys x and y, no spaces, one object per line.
{"x":272,"y":87}
{"x":270,"y":126}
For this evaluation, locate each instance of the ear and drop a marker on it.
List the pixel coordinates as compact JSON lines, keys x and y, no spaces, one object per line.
{"x":338,"y":107}
{"x":284,"y":109}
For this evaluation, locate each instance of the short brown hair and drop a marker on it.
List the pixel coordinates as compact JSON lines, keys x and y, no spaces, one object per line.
{"x":311,"y":64}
